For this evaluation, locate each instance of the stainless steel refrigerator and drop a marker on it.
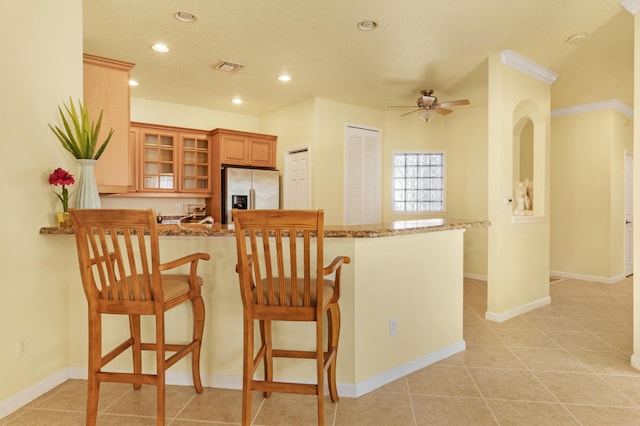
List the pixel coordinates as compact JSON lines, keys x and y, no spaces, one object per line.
{"x":244,"y":188}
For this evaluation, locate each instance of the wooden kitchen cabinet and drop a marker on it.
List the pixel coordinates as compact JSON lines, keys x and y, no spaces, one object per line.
{"x":245,"y":149}
{"x":132,"y":184}
{"x":195,"y":162}
{"x":106,"y":89}
{"x":173,"y":160}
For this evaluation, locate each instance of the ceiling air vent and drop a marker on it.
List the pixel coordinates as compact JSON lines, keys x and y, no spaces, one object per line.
{"x":228,"y":66}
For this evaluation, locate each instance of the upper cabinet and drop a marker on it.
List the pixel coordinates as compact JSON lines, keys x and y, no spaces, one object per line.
{"x":195,"y":162}
{"x":106,"y":88}
{"x":172,"y":160}
{"x":167,"y":161}
{"x":245,"y":149}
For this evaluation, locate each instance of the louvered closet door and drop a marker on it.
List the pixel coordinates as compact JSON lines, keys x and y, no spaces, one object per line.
{"x":362,"y":176}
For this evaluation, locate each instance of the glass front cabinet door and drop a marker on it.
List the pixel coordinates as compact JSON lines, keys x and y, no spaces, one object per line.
{"x":195,"y":165}
{"x":158,"y":161}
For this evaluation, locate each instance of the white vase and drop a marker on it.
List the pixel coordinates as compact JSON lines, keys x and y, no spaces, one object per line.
{"x":88,"y":196}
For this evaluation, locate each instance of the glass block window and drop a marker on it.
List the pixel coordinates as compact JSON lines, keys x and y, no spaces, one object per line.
{"x":418,"y":182}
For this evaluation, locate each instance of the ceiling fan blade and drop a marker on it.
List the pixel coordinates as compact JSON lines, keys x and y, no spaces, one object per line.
{"x":410,"y":112}
{"x":444,"y":111}
{"x":455,"y":103}
{"x":400,"y":106}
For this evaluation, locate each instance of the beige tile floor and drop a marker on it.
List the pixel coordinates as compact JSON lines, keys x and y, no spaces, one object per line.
{"x":564,"y":364}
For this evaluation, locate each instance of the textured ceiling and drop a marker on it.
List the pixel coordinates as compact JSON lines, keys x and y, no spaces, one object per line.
{"x":419,"y":44}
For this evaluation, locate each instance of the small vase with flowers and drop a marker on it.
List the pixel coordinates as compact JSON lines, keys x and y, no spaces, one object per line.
{"x":63,"y":178}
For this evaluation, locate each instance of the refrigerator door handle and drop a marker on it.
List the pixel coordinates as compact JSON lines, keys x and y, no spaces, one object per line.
{"x":252,"y":199}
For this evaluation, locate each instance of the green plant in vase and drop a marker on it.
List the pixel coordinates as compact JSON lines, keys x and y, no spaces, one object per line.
{"x":79,"y":135}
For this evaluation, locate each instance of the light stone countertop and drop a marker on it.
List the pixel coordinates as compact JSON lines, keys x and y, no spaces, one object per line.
{"x":405,"y":227}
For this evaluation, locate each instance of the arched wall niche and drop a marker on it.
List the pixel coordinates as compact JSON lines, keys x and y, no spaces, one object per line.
{"x":529,"y":130}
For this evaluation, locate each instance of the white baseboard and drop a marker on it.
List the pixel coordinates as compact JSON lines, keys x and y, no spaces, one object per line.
{"x":592,"y":278}
{"x":25,"y":396}
{"x":22,"y":398}
{"x":504,"y":316}
{"x":581,"y":277}
{"x":478,"y":277}
{"x":379,"y":380}
{"x":344,"y":389}
{"x":635,"y":361}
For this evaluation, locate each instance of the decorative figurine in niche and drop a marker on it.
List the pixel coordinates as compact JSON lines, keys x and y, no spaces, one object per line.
{"x":524,"y":198}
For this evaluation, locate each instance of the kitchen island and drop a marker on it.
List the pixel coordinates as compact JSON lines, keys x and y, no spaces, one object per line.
{"x":409,"y":273}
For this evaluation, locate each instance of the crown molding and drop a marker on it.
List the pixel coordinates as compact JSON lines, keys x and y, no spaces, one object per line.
{"x":527,"y":66}
{"x":613,"y":104}
{"x":632,"y":6}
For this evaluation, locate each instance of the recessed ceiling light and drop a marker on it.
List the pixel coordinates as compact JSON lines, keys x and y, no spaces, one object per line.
{"x":367,"y":25}
{"x":133,"y":83}
{"x":284,"y":77}
{"x":159,"y":47}
{"x":577,"y":38}
{"x":237,"y":101}
{"x":185,"y":17}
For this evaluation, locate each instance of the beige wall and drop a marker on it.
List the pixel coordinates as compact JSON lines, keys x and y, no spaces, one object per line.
{"x":466,"y":143}
{"x":635,"y":358}
{"x":518,"y":262}
{"x":419,"y":267}
{"x":320,"y":124}
{"x":42,"y":68}
{"x":295,"y":126}
{"x":169,"y":114}
{"x":587,"y":196}
{"x":524,"y":157}
{"x":328,"y":158}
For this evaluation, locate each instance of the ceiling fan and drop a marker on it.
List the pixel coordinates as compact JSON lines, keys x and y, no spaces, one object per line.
{"x":428,"y":105}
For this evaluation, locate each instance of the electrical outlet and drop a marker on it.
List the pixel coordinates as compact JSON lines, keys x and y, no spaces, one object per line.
{"x":178,"y":208}
{"x":393,"y":327}
{"x":22,"y":346}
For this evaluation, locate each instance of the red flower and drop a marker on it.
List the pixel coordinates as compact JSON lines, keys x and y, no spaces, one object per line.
{"x":61,"y":177}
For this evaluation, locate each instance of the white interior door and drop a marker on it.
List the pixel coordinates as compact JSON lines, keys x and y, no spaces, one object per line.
{"x":297,"y":180}
{"x":628,"y":213}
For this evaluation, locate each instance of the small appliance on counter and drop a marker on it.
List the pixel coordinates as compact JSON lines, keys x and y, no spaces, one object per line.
{"x":247,"y":188}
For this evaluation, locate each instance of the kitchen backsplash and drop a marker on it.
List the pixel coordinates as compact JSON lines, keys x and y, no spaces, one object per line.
{"x":162,"y":206}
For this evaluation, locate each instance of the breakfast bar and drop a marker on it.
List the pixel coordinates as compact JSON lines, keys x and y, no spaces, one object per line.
{"x":401,"y":302}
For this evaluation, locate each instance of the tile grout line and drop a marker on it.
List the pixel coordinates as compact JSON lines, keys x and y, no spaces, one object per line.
{"x":593,"y":372}
{"x":532,"y":372}
{"x":466,"y":368}
{"x":526,"y":368}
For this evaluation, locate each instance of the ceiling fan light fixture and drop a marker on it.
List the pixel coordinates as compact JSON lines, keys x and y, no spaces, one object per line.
{"x":284,"y":77}
{"x":426,"y":114}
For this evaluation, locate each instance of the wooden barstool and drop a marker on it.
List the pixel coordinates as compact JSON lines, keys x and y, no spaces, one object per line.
{"x":119,"y":259}
{"x":279,"y":279}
